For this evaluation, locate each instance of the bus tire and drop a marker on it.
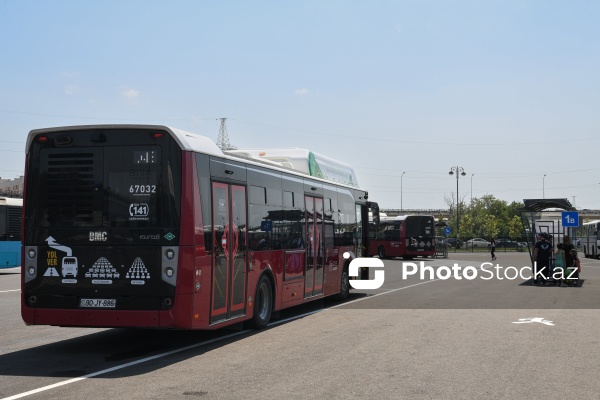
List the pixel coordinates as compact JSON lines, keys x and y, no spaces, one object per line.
{"x":263,"y":304}
{"x":344,"y":285}
{"x":381,"y":252}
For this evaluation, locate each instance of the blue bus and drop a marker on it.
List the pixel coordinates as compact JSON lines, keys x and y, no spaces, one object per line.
{"x":10,"y":232}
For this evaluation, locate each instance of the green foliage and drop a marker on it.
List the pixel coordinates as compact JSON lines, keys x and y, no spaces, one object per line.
{"x":515,"y":227}
{"x":487,"y":217}
{"x":490,"y":226}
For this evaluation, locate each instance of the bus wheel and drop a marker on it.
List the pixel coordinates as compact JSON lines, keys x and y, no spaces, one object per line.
{"x":263,"y":304}
{"x":381,"y":252}
{"x":345,"y":286}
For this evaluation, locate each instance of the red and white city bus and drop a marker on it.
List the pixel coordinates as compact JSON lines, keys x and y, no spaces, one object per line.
{"x":405,"y":236}
{"x":151,"y":226}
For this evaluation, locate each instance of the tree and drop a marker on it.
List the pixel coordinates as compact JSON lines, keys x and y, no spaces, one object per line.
{"x":488,"y":205}
{"x":466,"y":225}
{"x":490,"y":226}
{"x":462,"y":207}
{"x":515,"y":227}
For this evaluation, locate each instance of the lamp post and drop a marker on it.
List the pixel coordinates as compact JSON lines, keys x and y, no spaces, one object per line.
{"x":472,"y":189}
{"x":544,"y":187}
{"x":459,"y":171}
{"x":401,"y":206}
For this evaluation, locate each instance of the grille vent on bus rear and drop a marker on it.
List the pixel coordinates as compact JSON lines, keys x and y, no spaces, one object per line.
{"x":14,"y":222}
{"x":70,"y":187}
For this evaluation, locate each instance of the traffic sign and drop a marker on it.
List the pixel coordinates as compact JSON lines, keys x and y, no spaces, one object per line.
{"x":266,"y":226}
{"x":570,"y":218}
{"x":447,"y":230}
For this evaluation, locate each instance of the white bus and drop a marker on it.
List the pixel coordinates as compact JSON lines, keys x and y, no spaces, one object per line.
{"x":590,"y":238}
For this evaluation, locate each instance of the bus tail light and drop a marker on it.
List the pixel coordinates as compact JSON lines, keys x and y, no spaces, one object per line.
{"x":169,"y":258}
{"x":31,"y":263}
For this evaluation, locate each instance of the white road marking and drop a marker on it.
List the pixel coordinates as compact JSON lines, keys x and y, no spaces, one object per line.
{"x":6,"y":291}
{"x":541,"y":320}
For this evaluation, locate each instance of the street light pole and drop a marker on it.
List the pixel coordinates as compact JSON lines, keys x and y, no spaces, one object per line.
{"x":459,"y":171}
{"x":472,"y":189}
{"x":401,"y":206}
{"x":544,"y":187}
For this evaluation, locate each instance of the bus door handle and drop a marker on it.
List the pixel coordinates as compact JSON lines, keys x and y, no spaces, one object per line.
{"x":225,"y":240}
{"x":236,"y":246}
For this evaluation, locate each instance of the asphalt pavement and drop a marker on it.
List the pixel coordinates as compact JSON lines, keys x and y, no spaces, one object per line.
{"x":411,"y":338}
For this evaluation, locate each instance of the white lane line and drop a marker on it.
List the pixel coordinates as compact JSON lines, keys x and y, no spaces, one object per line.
{"x":381,"y":294}
{"x":6,"y":291}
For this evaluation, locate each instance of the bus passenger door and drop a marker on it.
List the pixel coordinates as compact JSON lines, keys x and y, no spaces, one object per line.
{"x":315,"y":251}
{"x":229,"y":255}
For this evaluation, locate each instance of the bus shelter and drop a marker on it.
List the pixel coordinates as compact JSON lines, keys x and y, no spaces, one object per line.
{"x":545,"y":216}
{"x":441,"y":247}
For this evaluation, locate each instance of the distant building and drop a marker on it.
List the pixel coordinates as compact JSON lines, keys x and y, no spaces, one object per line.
{"x":12,"y":187}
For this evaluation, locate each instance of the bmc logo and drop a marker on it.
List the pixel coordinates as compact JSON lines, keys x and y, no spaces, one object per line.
{"x":98,"y":236}
{"x":366,"y":263}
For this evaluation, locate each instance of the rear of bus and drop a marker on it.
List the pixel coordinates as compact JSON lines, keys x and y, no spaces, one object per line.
{"x":419,"y":235}
{"x":10,"y":232}
{"x":102,"y":226}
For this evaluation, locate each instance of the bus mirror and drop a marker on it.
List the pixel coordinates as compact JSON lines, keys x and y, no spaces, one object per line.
{"x":374,"y":207}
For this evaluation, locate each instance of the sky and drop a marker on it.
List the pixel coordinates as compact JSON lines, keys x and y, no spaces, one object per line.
{"x":403,"y":91}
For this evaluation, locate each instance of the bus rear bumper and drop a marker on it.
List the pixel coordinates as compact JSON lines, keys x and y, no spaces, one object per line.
{"x":91,"y":318}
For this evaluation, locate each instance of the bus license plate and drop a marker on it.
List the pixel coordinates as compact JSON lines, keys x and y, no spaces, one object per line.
{"x":97,"y":303}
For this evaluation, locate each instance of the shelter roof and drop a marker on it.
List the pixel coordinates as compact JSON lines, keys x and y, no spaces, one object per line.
{"x":544,"y":204}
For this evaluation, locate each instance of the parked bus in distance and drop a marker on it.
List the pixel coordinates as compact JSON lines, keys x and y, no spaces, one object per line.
{"x":405,"y":236}
{"x":589,"y":239}
{"x":151,"y":226}
{"x":10,"y":232}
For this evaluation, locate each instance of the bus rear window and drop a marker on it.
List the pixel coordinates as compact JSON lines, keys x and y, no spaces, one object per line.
{"x":419,"y":226}
{"x":130,"y":186}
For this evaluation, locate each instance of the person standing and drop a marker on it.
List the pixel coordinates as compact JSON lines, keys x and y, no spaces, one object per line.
{"x":493,"y":249}
{"x":541,"y":256}
{"x":569,"y":250}
{"x":559,"y":264}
